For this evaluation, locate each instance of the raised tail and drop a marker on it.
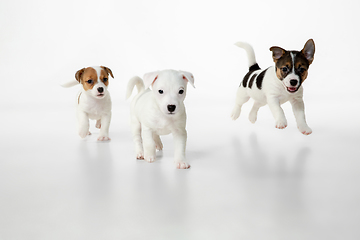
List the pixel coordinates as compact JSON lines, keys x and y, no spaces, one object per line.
{"x":69,"y":84}
{"x":135,"y":81}
{"x":250,"y":54}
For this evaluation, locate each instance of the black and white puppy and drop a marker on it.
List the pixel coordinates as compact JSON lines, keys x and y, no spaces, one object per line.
{"x":277,"y":84}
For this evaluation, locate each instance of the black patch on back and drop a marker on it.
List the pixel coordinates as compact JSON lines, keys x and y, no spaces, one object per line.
{"x":254,"y":67}
{"x":246,"y":78}
{"x":260,"y":79}
{"x":252,"y":80}
{"x":251,"y":70}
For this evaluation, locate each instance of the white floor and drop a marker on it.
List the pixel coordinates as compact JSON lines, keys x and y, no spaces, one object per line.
{"x":246,"y":181}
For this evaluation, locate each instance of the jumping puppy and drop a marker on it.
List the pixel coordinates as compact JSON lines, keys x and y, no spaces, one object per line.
{"x":276,"y":85}
{"x":159,"y":111}
{"x":93,"y":101}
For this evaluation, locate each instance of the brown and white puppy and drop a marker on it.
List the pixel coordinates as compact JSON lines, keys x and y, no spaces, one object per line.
{"x":276,"y":85}
{"x":93,"y":101}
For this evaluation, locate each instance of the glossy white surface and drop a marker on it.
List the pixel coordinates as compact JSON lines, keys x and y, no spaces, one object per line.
{"x":246,"y":181}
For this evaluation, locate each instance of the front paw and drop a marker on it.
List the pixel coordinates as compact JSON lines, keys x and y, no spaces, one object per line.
{"x":182,"y":165}
{"x":281,"y":124}
{"x":103,"y":138}
{"x":305,"y":129}
{"x":149,"y":159}
{"x":140,"y":156}
{"x":84,"y":132}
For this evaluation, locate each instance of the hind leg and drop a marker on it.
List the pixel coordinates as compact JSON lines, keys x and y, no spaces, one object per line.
{"x":98,"y":123}
{"x":136,"y":132}
{"x":241,"y":98}
{"x":254,"y":111}
{"x":158,"y":143}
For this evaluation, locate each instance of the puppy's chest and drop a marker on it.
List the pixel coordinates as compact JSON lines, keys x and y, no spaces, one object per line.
{"x":95,"y":109}
{"x":164,"y":125}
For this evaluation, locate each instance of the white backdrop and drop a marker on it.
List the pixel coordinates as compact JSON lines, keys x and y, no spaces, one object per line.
{"x":43,"y":43}
{"x":246,"y":180}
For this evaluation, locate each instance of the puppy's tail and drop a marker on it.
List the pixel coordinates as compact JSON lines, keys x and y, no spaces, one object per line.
{"x":135,"y":81}
{"x":250,"y":54}
{"x":69,"y":84}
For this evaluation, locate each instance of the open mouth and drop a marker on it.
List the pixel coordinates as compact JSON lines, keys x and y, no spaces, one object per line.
{"x":292,"y":89}
{"x":100,"y":95}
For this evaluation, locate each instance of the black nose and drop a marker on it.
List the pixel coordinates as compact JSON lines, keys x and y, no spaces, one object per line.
{"x":171,"y":108}
{"x":293,"y":82}
{"x":100,"y":89}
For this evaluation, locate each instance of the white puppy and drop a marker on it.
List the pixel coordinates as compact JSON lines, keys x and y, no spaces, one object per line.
{"x":93,"y":101}
{"x":159,"y":111}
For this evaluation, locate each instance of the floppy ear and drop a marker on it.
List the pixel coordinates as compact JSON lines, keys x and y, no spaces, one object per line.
{"x":309,"y":50}
{"x":149,"y":78}
{"x":188,"y":77}
{"x":78,"y":74}
{"x":278,"y":52}
{"x":108,"y":71}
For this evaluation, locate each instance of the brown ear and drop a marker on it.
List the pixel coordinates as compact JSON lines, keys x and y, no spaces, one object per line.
{"x":309,"y":50}
{"x":78,"y":74}
{"x":278,"y":52}
{"x":108,"y":71}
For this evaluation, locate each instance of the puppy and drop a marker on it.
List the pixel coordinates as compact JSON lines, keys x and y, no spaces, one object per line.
{"x":276,"y":85}
{"x":93,"y":101}
{"x":159,"y":111}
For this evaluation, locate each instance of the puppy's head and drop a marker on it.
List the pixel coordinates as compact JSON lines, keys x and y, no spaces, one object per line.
{"x":169,"y":89}
{"x":94,"y":80}
{"x":292,"y":66}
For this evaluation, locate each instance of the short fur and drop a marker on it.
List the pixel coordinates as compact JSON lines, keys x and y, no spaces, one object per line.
{"x":276,"y":85}
{"x":159,"y":111}
{"x":93,"y":101}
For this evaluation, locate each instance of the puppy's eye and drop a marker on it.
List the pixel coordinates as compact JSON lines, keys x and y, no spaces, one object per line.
{"x":285,"y":69}
{"x":89,"y":81}
{"x":105,"y":79}
{"x":161,"y":91}
{"x":181,"y":91}
{"x":302,"y":70}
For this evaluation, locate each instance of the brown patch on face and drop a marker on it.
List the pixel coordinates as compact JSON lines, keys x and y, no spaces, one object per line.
{"x":283,"y":65}
{"x":301,"y":66}
{"x":104,"y":75}
{"x":108,"y":71}
{"x":87,"y":77}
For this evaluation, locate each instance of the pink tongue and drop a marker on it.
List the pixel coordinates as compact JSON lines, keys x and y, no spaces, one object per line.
{"x":292,"y":89}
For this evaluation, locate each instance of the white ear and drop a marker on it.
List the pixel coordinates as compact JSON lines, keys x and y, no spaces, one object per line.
{"x":149,"y":78}
{"x":189,"y":77}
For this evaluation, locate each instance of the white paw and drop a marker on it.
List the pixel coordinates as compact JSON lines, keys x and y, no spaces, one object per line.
{"x":182,"y":165}
{"x":140,"y":155}
{"x":252,"y":117}
{"x":149,"y":159}
{"x":103,"y":138}
{"x":84,"y":132}
{"x":159,"y":146}
{"x":281,"y":124}
{"x":305,"y":130}
{"x":235,"y":113}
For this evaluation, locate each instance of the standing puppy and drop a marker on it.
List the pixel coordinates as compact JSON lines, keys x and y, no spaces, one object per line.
{"x":276,"y":85}
{"x":159,"y":111}
{"x":93,"y":101}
